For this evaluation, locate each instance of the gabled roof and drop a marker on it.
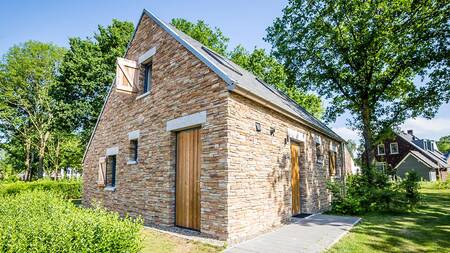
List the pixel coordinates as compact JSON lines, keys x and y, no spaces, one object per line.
{"x":417,"y":155}
{"x":239,"y":79}
{"x":236,"y":78}
{"x":436,"y":157}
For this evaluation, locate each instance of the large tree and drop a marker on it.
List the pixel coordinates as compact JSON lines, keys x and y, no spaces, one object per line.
{"x":28,"y":73}
{"x":364,"y":56}
{"x":258,"y":62}
{"x":87,"y":72}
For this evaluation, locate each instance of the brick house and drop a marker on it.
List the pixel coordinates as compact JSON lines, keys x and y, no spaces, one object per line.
{"x":187,"y":138}
{"x":405,"y":152}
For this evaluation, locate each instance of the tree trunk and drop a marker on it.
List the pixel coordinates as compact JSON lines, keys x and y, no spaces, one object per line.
{"x":366,"y":116}
{"x":56,"y":165}
{"x":42,"y":146}
{"x":28,"y":172}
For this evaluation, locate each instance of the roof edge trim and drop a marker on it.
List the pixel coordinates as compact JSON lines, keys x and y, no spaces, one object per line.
{"x":194,"y":51}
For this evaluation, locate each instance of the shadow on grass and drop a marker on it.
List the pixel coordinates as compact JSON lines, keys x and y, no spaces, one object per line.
{"x":423,"y":230}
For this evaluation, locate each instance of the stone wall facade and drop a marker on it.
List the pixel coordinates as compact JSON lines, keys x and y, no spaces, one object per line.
{"x":245,"y":186}
{"x":182,"y":85}
{"x":259,"y":169}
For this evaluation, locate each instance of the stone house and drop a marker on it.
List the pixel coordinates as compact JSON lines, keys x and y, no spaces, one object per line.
{"x":187,"y":138}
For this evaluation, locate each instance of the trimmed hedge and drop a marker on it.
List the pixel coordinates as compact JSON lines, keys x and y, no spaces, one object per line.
{"x":41,"y":221}
{"x":69,"y":189}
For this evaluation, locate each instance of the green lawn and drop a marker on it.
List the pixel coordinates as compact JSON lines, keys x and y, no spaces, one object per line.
{"x":425,"y":230}
{"x":156,"y":242}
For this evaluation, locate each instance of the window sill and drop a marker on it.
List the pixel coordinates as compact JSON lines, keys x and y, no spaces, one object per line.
{"x":110,"y":188}
{"x":131,"y":162}
{"x":143,"y":95}
{"x":394,"y":153}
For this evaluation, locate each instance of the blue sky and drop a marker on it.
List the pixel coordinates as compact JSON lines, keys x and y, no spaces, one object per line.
{"x":243,"y":21}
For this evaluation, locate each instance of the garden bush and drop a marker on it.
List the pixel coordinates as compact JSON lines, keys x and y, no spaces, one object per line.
{"x":70,"y":189}
{"x":41,"y":221}
{"x":437,"y":185}
{"x":362,"y":193}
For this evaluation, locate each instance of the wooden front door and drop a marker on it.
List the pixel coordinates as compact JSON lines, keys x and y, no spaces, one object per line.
{"x":188,"y":179}
{"x":295,"y":177}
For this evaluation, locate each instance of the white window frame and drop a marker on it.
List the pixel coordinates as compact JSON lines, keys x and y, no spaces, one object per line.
{"x":378,"y":149}
{"x":382,"y":165}
{"x":390,"y":148}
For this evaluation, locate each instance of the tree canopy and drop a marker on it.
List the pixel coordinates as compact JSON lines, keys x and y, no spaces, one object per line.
{"x":444,"y":144}
{"x":28,"y":74}
{"x":258,"y":62}
{"x":87,"y":72}
{"x":364,"y":56}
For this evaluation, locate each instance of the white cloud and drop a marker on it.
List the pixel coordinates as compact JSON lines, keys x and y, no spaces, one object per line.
{"x":429,"y":129}
{"x":423,"y":128}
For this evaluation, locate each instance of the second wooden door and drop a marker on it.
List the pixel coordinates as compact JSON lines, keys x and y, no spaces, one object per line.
{"x":295,"y":178}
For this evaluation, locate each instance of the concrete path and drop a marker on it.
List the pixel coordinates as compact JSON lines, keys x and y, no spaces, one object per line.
{"x":312,"y":234}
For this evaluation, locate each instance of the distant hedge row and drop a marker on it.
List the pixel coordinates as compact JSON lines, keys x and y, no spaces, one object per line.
{"x":69,"y":189}
{"x":41,"y":221}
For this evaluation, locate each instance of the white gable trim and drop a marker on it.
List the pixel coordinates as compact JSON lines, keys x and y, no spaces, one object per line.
{"x":134,"y":135}
{"x":147,"y":55}
{"x":112,"y":151}
{"x":187,"y":121}
{"x":295,"y":135}
{"x":415,"y":157}
{"x":194,"y":51}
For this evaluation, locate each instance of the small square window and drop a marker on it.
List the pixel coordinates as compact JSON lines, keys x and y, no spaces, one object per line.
{"x":133,"y":151}
{"x":381,"y":150}
{"x":319,"y":155}
{"x":147,"y":77}
{"x":394,"y":148}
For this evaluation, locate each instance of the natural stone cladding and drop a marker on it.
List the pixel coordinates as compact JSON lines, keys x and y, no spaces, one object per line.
{"x":259,"y":172}
{"x":245,"y":175}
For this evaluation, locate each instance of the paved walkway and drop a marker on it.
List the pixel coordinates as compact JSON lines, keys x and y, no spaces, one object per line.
{"x":312,"y":234}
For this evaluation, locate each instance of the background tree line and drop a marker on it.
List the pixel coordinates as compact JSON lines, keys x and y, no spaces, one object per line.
{"x":52,"y":96}
{"x":363,"y":56}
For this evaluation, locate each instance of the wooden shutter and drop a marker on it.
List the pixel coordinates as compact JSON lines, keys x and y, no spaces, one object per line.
{"x":101,"y":171}
{"x":127,"y":75}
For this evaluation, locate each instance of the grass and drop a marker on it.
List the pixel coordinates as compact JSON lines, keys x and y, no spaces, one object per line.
{"x":426,"y":229}
{"x":157,"y":242}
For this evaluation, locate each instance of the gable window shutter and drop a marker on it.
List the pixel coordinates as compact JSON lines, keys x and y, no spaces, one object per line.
{"x":126,"y":75}
{"x":101,"y":179}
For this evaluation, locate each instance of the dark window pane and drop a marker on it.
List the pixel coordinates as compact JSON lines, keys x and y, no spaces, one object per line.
{"x":147,"y":77}
{"x":111,"y":171}
{"x":134,"y":150}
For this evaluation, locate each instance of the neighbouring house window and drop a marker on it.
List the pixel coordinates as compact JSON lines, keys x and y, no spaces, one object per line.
{"x":394,"y":148}
{"x":332,"y":166}
{"x":147,"y":77}
{"x":381,"y":166}
{"x":111,"y":171}
{"x":133,"y":151}
{"x":381,"y":150}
